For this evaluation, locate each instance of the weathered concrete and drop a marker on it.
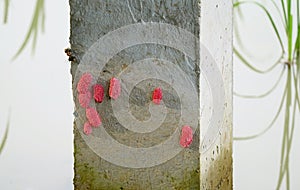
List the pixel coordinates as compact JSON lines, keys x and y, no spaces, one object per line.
{"x":216,"y":36}
{"x":91,"y":20}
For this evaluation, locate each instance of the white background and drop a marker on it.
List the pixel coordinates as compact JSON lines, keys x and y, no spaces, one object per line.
{"x":37,"y":89}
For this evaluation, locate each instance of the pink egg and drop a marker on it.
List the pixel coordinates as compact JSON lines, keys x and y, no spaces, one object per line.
{"x":87,"y":128}
{"x":186,"y":136}
{"x":93,"y":117}
{"x":114,"y":88}
{"x":84,"y":83}
{"x":98,"y":93}
{"x":85,"y":99}
{"x":157,"y":96}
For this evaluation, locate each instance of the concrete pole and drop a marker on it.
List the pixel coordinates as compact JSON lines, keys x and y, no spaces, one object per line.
{"x":183,"y":138}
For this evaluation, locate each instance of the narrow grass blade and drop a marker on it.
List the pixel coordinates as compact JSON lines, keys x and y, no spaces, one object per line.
{"x":287,"y":124}
{"x":239,"y":11}
{"x":35,"y":32}
{"x":293,"y":123}
{"x":296,"y":46}
{"x":6,"y":7}
{"x":238,"y":15}
{"x":43,"y":16}
{"x":5,"y":136}
{"x":278,"y":10}
{"x":285,"y":152}
{"x":249,"y":65}
{"x":32,"y":32}
{"x":268,"y":15}
{"x":237,"y":33}
{"x":284,"y":13}
{"x":296,"y":82}
{"x":290,"y":38}
{"x":289,"y":8}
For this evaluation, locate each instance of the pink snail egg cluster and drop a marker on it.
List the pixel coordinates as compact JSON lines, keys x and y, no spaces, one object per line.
{"x":84,"y":83}
{"x":85,"y":95}
{"x":93,"y":117}
{"x":87,"y":128}
{"x":186,"y":138}
{"x":98,"y":93}
{"x":114,"y":88}
{"x":84,"y":99}
{"x":157,"y":96}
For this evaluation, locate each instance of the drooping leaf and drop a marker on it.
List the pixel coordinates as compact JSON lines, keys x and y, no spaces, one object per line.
{"x":4,"y":137}
{"x":38,"y":18}
{"x":284,"y":14}
{"x":6,"y":7}
{"x":268,"y":15}
{"x":285,"y":150}
{"x":249,"y":65}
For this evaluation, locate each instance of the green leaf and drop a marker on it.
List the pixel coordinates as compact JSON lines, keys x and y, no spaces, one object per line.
{"x":296,"y":82}
{"x":4,"y":137}
{"x":293,"y":122}
{"x":268,"y":15}
{"x":283,"y":150}
{"x":249,"y":65}
{"x":43,"y":17}
{"x":284,"y":13}
{"x":296,"y":46}
{"x":286,"y":146}
{"x":6,"y":7}
{"x":238,"y":14}
{"x":278,"y":10}
{"x":33,"y":29}
{"x":290,"y":38}
{"x":237,"y":33}
{"x":289,"y":5}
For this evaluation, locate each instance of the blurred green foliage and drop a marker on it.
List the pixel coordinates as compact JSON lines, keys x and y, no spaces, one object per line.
{"x":37,"y":24}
